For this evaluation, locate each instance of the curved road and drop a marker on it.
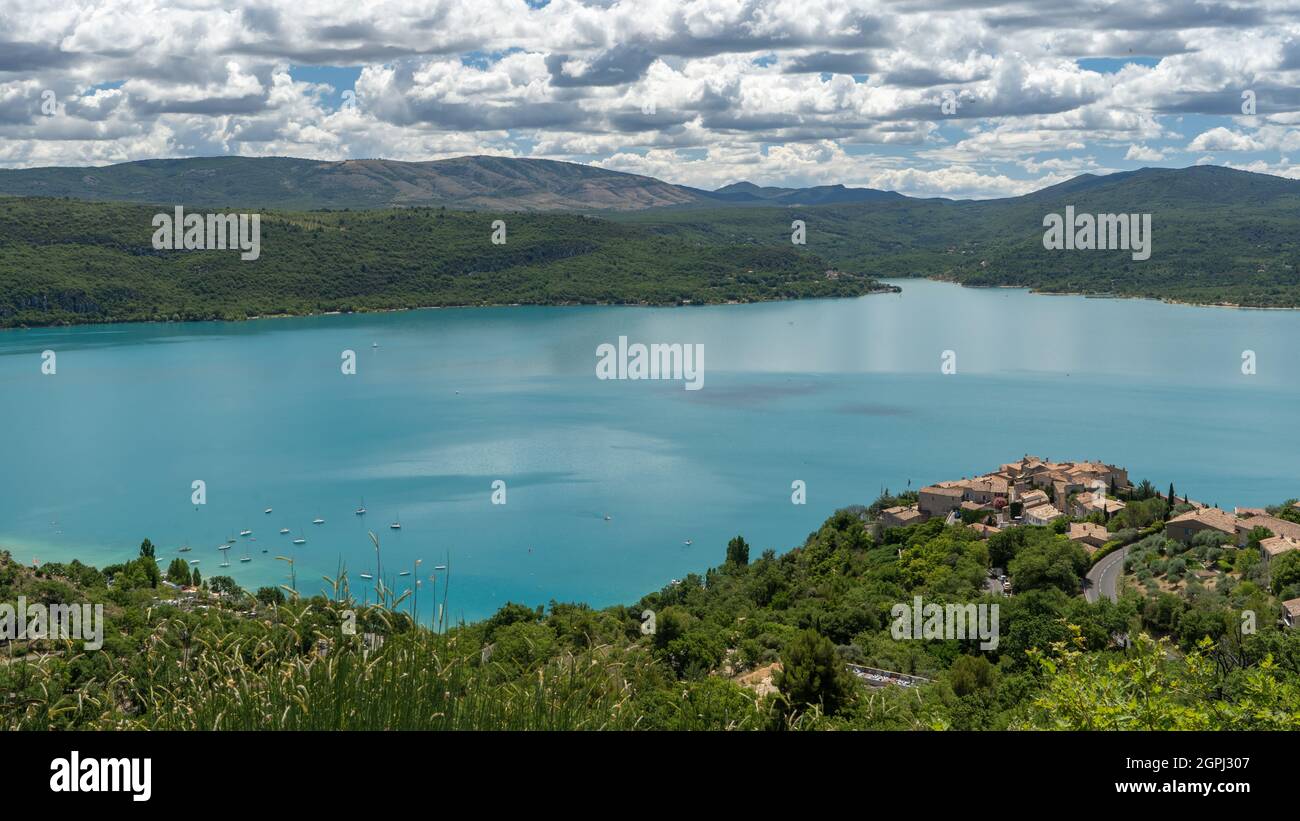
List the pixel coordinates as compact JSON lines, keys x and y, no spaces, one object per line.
{"x":1104,"y":575}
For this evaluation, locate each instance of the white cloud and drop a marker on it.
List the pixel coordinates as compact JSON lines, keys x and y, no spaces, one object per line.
{"x":1142,"y":153}
{"x":655,"y":85}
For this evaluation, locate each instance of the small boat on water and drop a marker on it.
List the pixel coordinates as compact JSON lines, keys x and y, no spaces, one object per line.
{"x":688,"y":542}
{"x":397,"y":525}
{"x":194,"y":561}
{"x":245,"y":533}
{"x":284,"y":530}
{"x":608,"y":517}
{"x":268,"y":510}
{"x":366,"y":576}
{"x":185,"y":549}
{"x":300,"y":540}
{"x":248,"y":558}
{"x":404,"y":573}
{"x":318,"y":521}
{"x":224,"y":547}
{"x":361,"y":511}
{"x":440,"y":567}
{"x":374,"y":344}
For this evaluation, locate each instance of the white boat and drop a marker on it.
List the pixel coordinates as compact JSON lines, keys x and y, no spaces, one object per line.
{"x":318,"y":521}
{"x":246,"y":559}
{"x":284,"y":530}
{"x":608,"y":517}
{"x":440,"y":567}
{"x":185,"y":549}
{"x":300,"y":540}
{"x":194,"y":561}
{"x":268,"y":510}
{"x":245,"y":533}
{"x":688,"y":542}
{"x":404,"y":573}
{"x":397,"y":525}
{"x":224,"y":547}
{"x":361,"y":511}
{"x":366,"y":576}
{"x":374,"y":344}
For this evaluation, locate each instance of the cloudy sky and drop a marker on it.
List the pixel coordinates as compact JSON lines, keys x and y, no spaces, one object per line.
{"x":960,"y":98}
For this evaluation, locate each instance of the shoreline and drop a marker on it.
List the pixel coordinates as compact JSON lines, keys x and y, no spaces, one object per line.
{"x":887,"y":289}
{"x":1099,"y":295}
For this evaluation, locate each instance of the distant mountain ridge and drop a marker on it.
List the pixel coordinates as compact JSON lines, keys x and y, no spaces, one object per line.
{"x":525,"y":184}
{"x":475,"y":182}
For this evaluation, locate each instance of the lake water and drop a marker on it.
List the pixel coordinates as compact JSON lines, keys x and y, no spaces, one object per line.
{"x":845,"y":395}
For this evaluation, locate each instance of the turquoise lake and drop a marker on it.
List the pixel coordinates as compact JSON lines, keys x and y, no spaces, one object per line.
{"x":845,"y":395}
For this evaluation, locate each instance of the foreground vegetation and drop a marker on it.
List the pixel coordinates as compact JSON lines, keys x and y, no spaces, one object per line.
{"x":221,"y":658}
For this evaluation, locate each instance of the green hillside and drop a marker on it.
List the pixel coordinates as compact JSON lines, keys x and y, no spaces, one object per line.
{"x":1219,"y":236}
{"x":63,"y":261}
{"x":758,"y":642}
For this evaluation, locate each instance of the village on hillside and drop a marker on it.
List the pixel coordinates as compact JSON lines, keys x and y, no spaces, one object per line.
{"x":1082,"y":501}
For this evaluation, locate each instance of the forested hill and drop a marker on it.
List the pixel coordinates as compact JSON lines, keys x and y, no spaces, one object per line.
{"x":63,"y":261}
{"x":1218,"y":236}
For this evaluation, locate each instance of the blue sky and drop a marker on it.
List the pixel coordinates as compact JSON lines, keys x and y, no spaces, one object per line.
{"x":928,"y":97}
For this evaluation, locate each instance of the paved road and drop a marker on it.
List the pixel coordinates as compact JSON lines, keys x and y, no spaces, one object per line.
{"x":1104,"y":575}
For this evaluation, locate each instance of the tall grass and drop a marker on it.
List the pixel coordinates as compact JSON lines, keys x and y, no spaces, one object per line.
{"x":284,"y":674}
{"x":414,"y":682}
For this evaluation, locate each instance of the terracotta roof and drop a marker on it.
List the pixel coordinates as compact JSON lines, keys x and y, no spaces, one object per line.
{"x":1087,"y":530}
{"x":1277,"y":545}
{"x":1046,"y":511}
{"x":1292,"y":606}
{"x":1279,"y":527}
{"x":1210,"y":516}
{"x":943,"y":489}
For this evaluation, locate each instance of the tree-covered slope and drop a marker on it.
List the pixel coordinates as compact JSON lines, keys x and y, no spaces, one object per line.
{"x":69,"y":261}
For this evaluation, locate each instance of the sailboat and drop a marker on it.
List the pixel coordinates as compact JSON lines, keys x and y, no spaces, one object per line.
{"x":397,"y":525}
{"x":361,"y":511}
{"x":300,"y":540}
{"x":194,"y":561}
{"x":245,"y":533}
{"x":284,"y":530}
{"x":688,"y":542}
{"x":404,"y":573}
{"x":366,"y":576}
{"x":268,"y":510}
{"x":246,"y":558}
{"x":318,"y":521}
